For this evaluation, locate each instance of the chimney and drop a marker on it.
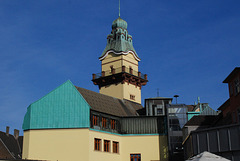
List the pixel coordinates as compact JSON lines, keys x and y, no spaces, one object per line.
{"x":16,"y":133}
{"x":7,"y":130}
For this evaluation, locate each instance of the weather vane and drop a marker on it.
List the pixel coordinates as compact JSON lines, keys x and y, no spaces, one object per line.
{"x":119,"y":8}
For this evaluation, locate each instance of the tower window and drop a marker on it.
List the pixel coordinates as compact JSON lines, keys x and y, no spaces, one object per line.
{"x":130,"y":70}
{"x":132,"y":97}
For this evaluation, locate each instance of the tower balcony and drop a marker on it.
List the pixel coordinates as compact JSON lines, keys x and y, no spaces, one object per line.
{"x":120,"y":75}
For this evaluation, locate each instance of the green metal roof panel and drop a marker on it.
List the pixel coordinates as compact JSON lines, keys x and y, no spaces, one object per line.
{"x":64,"y":107}
{"x":191,"y":114}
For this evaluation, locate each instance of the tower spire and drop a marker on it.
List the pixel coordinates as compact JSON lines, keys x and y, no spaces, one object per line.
{"x":119,"y":9}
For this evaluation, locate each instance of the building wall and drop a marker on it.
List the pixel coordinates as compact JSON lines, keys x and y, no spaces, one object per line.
{"x":78,"y":144}
{"x":130,"y":61}
{"x":113,"y":90}
{"x":111,"y":60}
{"x":123,"y":91}
{"x":130,"y":89}
{"x":223,"y":140}
{"x":118,"y":61}
{"x":56,"y":144}
{"x":151,"y":147}
{"x":101,"y":155}
{"x":234,"y":107}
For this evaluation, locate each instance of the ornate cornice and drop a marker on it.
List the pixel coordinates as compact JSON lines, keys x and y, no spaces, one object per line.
{"x":120,"y":53}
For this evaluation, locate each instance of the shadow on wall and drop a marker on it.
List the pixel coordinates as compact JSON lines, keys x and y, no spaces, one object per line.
{"x":163,"y":148}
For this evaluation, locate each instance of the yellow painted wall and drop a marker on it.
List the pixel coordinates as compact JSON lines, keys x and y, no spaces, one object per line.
{"x":132,"y":89}
{"x":148,"y":146}
{"x":129,"y":58}
{"x":122,"y":91}
{"x":117,"y":61}
{"x":78,"y":144}
{"x":113,"y":90}
{"x":111,"y":60}
{"x":56,"y":144}
{"x":101,"y":155}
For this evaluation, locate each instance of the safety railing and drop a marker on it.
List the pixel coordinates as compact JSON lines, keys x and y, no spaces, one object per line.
{"x":122,"y":69}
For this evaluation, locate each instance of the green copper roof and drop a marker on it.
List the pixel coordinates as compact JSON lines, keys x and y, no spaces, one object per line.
{"x":64,"y":107}
{"x":119,"y":23}
{"x":119,"y":41}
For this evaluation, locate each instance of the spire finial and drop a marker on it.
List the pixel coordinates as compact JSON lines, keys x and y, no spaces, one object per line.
{"x":119,"y":8}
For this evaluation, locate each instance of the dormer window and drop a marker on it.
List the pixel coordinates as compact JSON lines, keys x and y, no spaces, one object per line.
{"x":95,"y":120}
{"x":104,"y":122}
{"x":113,"y":124}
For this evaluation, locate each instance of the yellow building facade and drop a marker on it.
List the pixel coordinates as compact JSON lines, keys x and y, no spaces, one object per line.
{"x":78,"y":144}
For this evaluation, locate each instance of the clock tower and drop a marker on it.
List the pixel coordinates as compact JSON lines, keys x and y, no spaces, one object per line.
{"x":120,"y":77}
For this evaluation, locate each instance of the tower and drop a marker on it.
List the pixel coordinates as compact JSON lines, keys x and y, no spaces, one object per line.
{"x":120,"y":77}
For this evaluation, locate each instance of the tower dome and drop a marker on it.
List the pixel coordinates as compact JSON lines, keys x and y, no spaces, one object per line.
{"x":119,"y":23}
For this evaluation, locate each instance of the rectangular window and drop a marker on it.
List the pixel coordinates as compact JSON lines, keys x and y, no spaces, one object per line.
{"x":135,"y":157}
{"x":237,"y":86}
{"x":159,"y":111}
{"x":95,"y":120}
{"x":106,"y":145}
{"x":104,"y":122}
{"x":132,"y":97}
{"x":115,"y":147}
{"x":113,"y":124}
{"x":97,"y":144}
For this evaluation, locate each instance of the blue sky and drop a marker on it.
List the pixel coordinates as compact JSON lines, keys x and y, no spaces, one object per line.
{"x":186,"y":47}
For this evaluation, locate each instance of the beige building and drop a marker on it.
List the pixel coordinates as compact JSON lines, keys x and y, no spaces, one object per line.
{"x":72,"y":123}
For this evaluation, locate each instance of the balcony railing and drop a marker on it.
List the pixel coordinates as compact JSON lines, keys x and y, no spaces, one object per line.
{"x":122,"y":69}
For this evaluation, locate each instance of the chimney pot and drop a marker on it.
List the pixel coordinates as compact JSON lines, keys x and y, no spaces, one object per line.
{"x":7,"y":130}
{"x":16,"y":133}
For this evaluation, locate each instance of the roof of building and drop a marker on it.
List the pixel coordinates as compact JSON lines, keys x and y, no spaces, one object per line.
{"x":191,"y":108}
{"x":201,"y":120}
{"x":205,"y":156}
{"x":14,"y":146}
{"x":224,"y":105}
{"x":236,"y":70}
{"x":119,"y":41}
{"x":108,"y":104}
{"x":221,"y":121}
{"x":159,"y":98}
